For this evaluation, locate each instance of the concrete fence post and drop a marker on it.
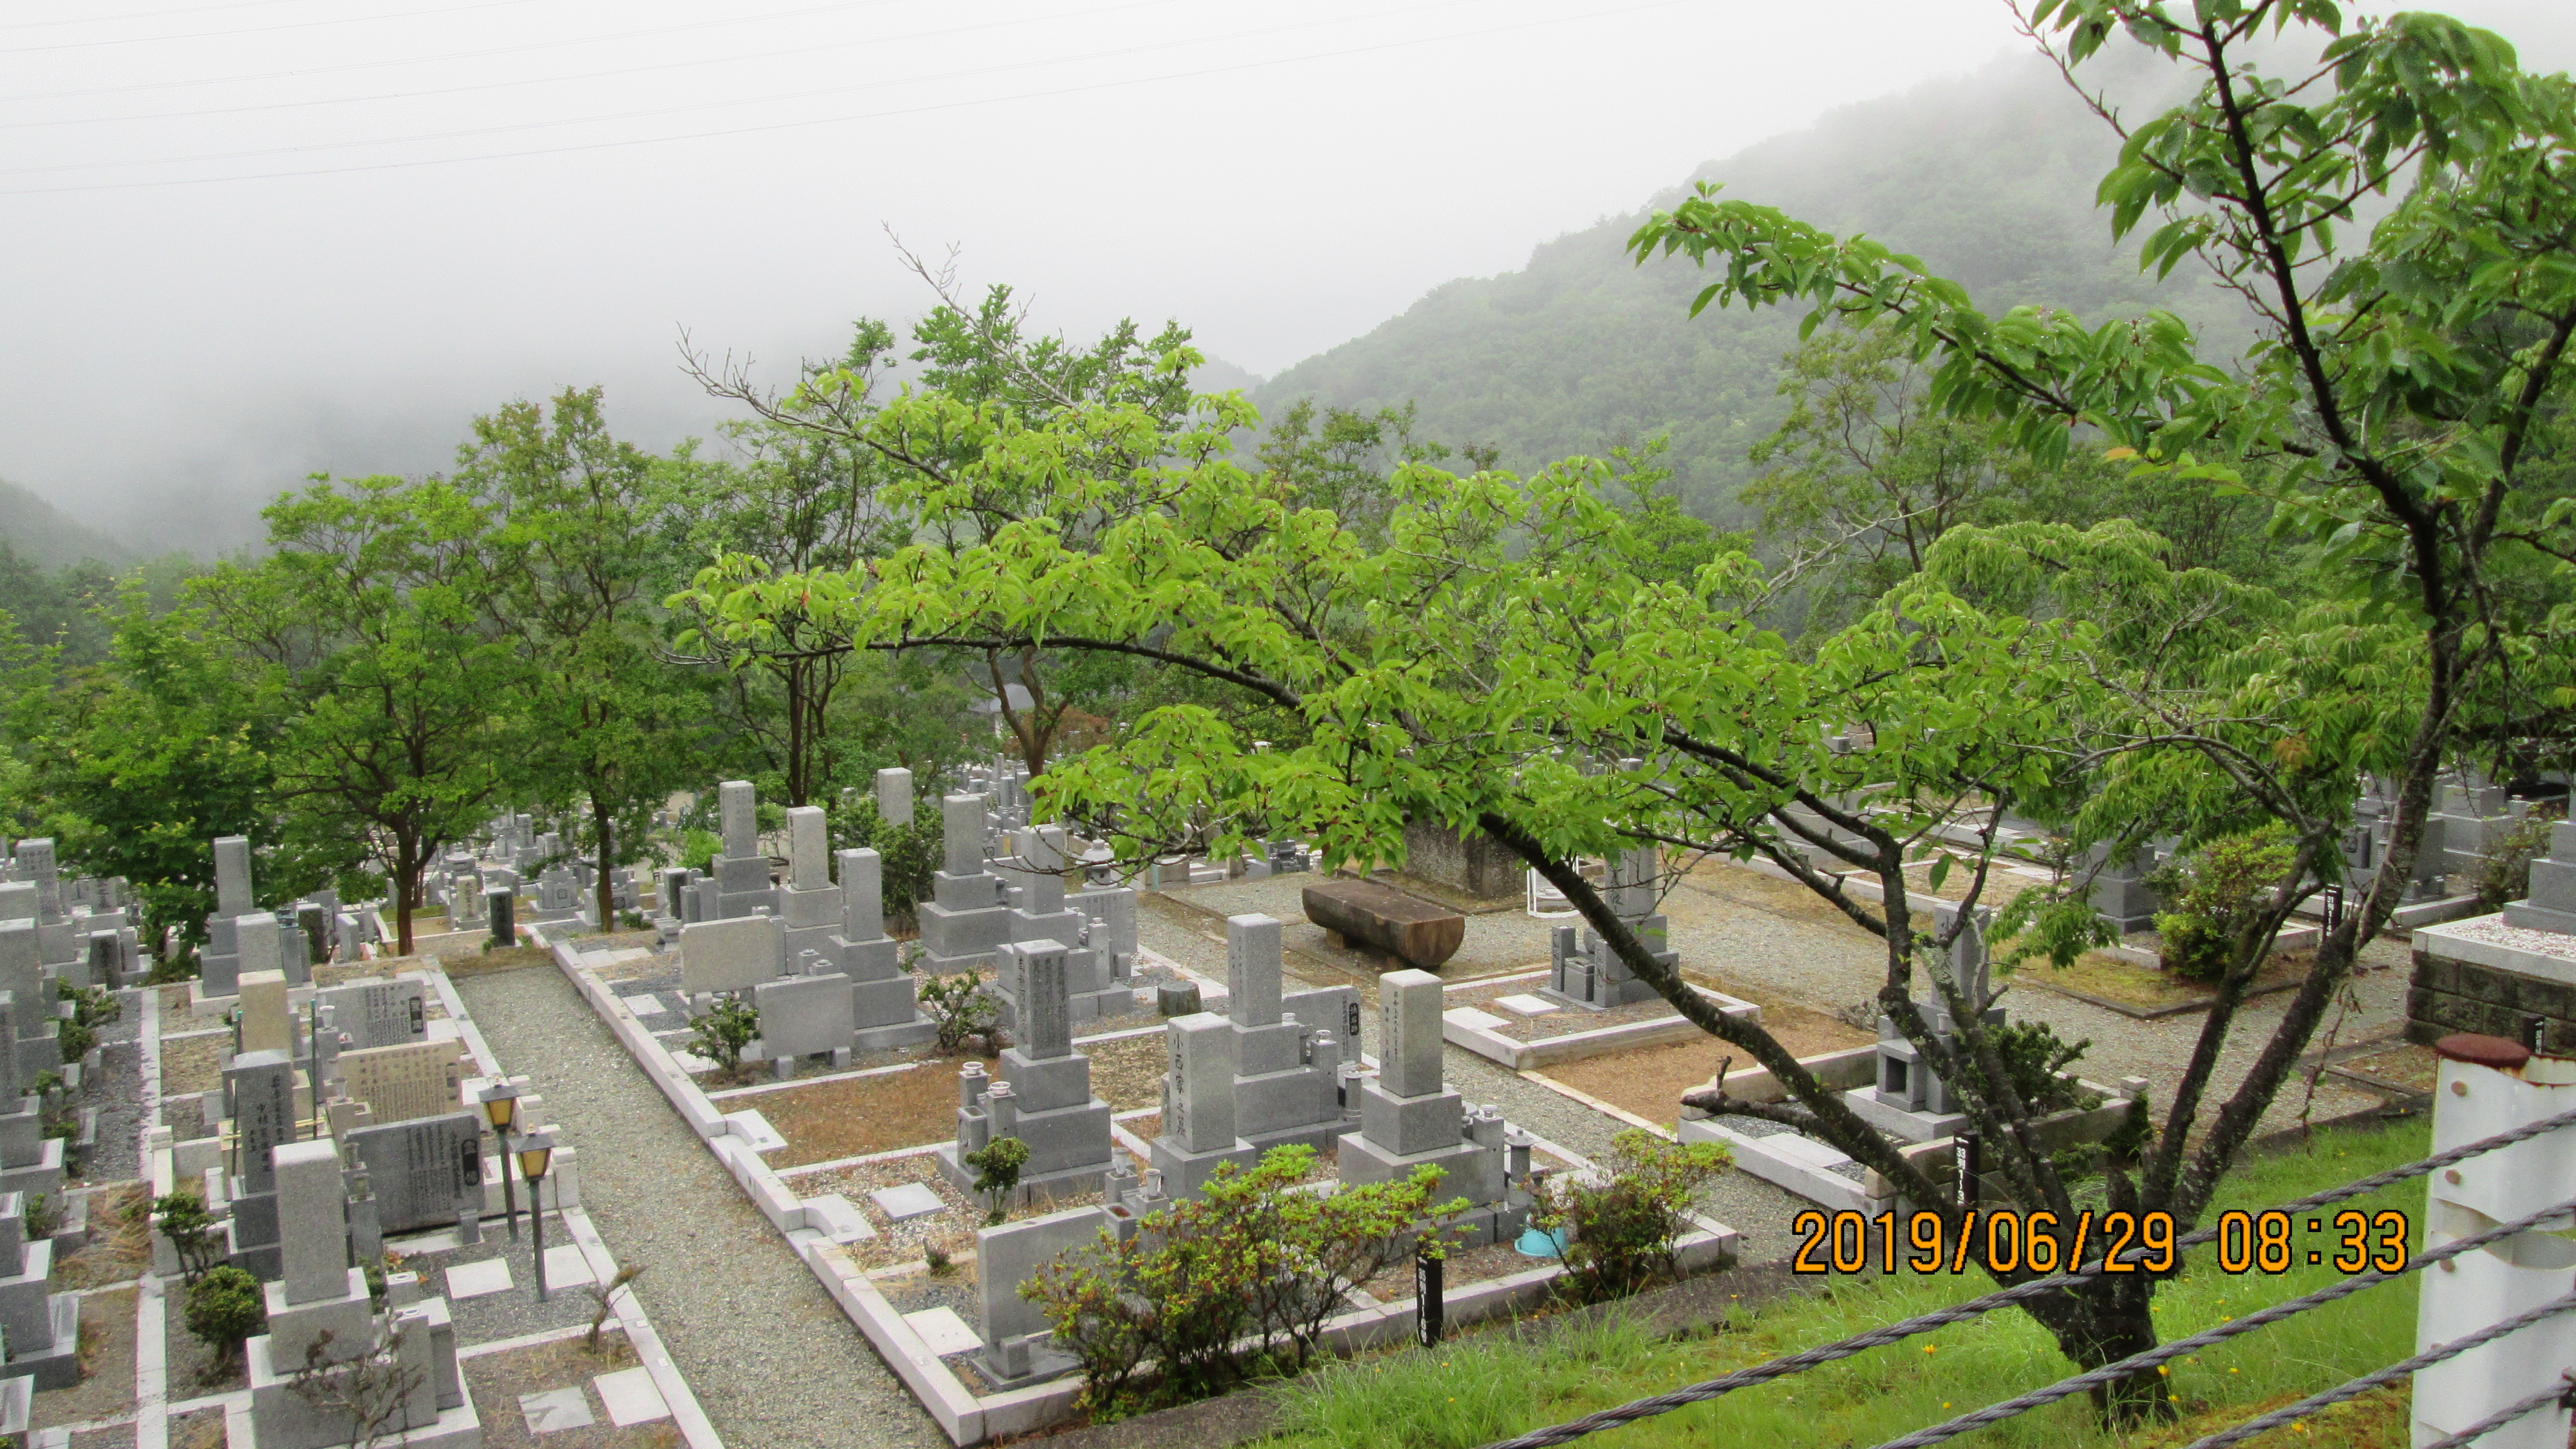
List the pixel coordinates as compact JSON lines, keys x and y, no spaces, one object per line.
{"x":2489,"y":1085}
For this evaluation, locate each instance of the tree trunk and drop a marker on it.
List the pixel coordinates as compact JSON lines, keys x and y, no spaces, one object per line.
{"x":2108,"y":1321}
{"x":406,"y":890}
{"x":601,"y":827}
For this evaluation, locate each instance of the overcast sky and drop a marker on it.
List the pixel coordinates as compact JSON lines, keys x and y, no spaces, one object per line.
{"x":250,"y":238}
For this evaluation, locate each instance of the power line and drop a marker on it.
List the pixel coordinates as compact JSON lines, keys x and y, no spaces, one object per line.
{"x":258,"y":29}
{"x":579,"y":76}
{"x":696,"y":106}
{"x":452,"y":55}
{"x":772,"y":126}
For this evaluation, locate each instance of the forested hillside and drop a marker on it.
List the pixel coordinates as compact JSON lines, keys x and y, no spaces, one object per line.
{"x":1988,"y":178}
{"x":42,"y":534}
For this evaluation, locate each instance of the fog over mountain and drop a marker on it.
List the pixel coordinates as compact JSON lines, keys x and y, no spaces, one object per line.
{"x":257,"y":241}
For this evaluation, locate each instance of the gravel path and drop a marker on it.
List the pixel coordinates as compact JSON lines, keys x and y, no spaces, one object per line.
{"x":770,"y":1356}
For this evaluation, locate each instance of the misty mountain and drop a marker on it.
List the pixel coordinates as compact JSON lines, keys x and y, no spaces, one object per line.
{"x":1988,"y":178}
{"x":43,"y":535}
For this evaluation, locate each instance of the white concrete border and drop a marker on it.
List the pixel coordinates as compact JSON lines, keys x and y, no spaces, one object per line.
{"x":1523,"y":1056}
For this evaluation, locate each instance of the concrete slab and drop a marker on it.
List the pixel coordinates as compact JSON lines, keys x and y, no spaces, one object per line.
{"x":1470,"y":1016}
{"x":567,"y":1268}
{"x":943,"y":1331}
{"x":1525,"y":1004}
{"x":474,"y":1280}
{"x":911,"y":1200}
{"x":645,"y":1003}
{"x":556,"y":1410}
{"x":630,"y":1397}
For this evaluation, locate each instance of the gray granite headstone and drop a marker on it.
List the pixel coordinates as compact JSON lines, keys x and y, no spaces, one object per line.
{"x":1199,"y":1114}
{"x":262,"y":1086}
{"x":425,"y":1172}
{"x":312,"y":1221}
{"x":1252,"y":969}
{"x":232,"y":876}
{"x":1409,"y":1033}
{"x":738,"y":814}
{"x":809,"y":848}
{"x":894,"y":796}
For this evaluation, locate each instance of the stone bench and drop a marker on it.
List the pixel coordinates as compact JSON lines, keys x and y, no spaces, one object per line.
{"x":1363,"y":913}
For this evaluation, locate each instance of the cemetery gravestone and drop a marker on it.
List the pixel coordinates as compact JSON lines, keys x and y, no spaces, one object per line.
{"x":965,"y":918}
{"x":426,"y":1173}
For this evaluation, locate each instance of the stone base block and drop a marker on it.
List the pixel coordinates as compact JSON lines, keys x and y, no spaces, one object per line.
{"x":1464,"y":1166}
{"x":281,"y":1420}
{"x":349,"y":1319}
{"x":1898,"y":1122}
{"x":884,"y":1003}
{"x":1063,"y":1185}
{"x":44,"y":1175}
{"x":1410,"y":1126}
{"x":1184,"y":1173}
{"x":2540,"y":918}
{"x":1023,"y":1361}
{"x":57,"y":1367}
{"x":953,"y":940}
{"x":902,"y":1034}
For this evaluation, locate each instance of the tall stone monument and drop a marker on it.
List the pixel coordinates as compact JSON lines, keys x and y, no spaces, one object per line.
{"x":1909,"y":1099}
{"x":1582,"y":968}
{"x":741,"y":874}
{"x":1409,"y":1117}
{"x":219,"y":963}
{"x":885,"y":1005}
{"x":1044,"y":1097}
{"x":965,"y":917}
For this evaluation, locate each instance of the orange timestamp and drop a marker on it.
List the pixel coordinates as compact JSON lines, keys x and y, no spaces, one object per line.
{"x":2010,"y":1240}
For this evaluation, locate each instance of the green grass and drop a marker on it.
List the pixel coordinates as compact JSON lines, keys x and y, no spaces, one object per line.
{"x":1476,"y":1390}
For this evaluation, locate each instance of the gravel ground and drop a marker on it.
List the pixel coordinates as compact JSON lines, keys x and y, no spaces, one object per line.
{"x":766,"y":1350}
{"x":117,"y":1093}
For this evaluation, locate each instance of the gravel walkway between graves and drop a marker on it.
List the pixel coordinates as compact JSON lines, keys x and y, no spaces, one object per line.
{"x":769,"y":1355}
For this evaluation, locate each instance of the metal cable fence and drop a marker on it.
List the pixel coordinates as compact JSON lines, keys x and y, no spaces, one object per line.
{"x":1796,"y":1363}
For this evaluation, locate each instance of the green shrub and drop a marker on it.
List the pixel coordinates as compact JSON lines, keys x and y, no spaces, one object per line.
{"x":965,"y":1011}
{"x":910,"y":855}
{"x":2215,"y":892}
{"x":721,"y":1035}
{"x":226,"y":1308}
{"x":2505,"y":874}
{"x":2033,"y":1056}
{"x":698,"y":850}
{"x":2194,"y":950}
{"x":1252,"y":1260}
{"x":1622,"y":1232}
{"x":75,"y":1037}
{"x":997,"y":1167}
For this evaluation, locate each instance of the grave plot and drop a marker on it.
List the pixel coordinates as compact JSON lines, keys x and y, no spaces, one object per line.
{"x":1517,"y":1021}
{"x":1893,"y":1089}
{"x":1648,"y":1082}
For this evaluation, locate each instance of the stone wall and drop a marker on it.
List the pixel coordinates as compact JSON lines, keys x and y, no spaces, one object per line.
{"x":2450,"y":995}
{"x":1478,"y":866}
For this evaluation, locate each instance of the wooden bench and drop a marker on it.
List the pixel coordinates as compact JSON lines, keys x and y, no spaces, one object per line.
{"x":1363,"y":913}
